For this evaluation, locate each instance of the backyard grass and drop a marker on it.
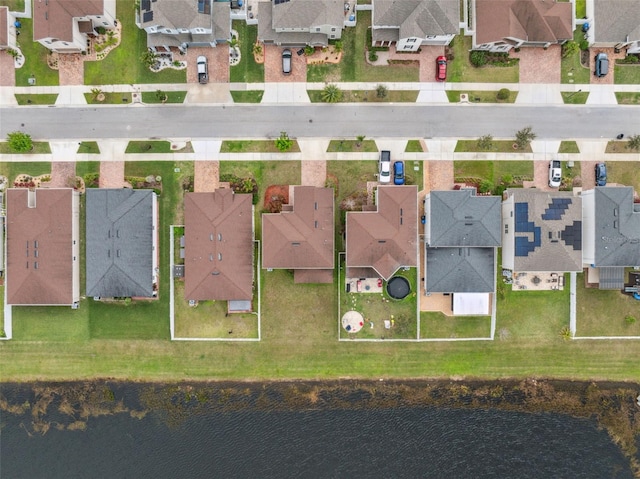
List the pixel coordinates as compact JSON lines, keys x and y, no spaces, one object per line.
{"x":460,"y":68}
{"x":605,"y":312}
{"x":615,"y":146}
{"x":575,"y":98}
{"x":109,"y":98}
{"x":122,"y":64}
{"x":172,"y":97}
{"x":37,"y":99}
{"x":627,"y":74}
{"x":371,"y":96}
{"x":624,"y":173}
{"x":434,"y":324}
{"x":353,"y":66}
{"x":627,"y":98}
{"x":38,"y":147}
{"x":35,"y":59}
{"x":414,"y":146}
{"x":500,"y":146}
{"x":480,"y":96}
{"x":571,"y":69}
{"x":90,"y":147}
{"x":247,"y":71}
{"x":568,"y":146}
{"x":367,"y":146}
{"x":251,"y":96}
{"x":255,"y":146}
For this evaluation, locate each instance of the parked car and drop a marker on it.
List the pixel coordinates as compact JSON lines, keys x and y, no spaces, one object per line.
{"x":203,"y":72}
{"x":555,"y":173}
{"x":384,"y":167}
{"x":602,"y":65}
{"x":601,"y":174}
{"x":398,"y":173}
{"x":286,"y":61}
{"x":441,"y":68}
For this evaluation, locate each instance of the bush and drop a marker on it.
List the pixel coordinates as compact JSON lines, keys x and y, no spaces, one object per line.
{"x":485,"y":143}
{"x":381,"y":91}
{"x":629,"y":59}
{"x":373,"y":56}
{"x":584,"y":45}
{"x":20,"y":142}
{"x":284,"y":143}
{"x":503,"y":94}
{"x":478,"y":58}
{"x":630,"y":319}
{"x":570,"y":48}
{"x":485,"y":186}
{"x":309,"y":50}
{"x":100,"y":30}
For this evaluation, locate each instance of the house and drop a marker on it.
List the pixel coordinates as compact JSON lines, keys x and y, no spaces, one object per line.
{"x":121,"y":243}
{"x":611,"y":226}
{"x":614,"y":24}
{"x":182,"y":24}
{"x":43,"y":247}
{"x":301,"y":237}
{"x":542,"y":231}
{"x":7,"y":29}
{"x":462,"y":232}
{"x":218,"y":247}
{"x":384,"y":237}
{"x":500,"y":25}
{"x":64,"y":26}
{"x":301,"y":22}
{"x":413,"y":23}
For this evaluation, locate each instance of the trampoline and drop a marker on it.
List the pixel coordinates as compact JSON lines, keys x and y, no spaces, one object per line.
{"x":398,"y":287}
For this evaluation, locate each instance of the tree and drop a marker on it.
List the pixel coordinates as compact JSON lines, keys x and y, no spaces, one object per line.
{"x":570,"y":48}
{"x":381,"y":91}
{"x":19,"y":141}
{"x":338,"y":46}
{"x":148,"y":58}
{"x":257,"y":49}
{"x":97,"y":94}
{"x":161,"y":96}
{"x":503,"y":94}
{"x":284,"y":143}
{"x":331,"y":94}
{"x":524,"y":137}
{"x":359,"y":140}
{"x":478,"y":58}
{"x":485,"y":143}
{"x":634,"y":143}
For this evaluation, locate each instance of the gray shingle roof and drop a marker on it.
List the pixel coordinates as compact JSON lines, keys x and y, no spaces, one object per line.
{"x":459,"y":218}
{"x":417,"y":18}
{"x":460,"y":270}
{"x":617,"y":227}
{"x":119,"y":244}
{"x":616,"y":20}
{"x":295,"y":14}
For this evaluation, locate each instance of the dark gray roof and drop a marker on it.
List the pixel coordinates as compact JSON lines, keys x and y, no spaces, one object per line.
{"x":611,"y":277}
{"x":616,"y":21}
{"x":119,"y":244}
{"x":417,"y":18}
{"x":267,"y":30}
{"x":460,"y":270}
{"x":617,"y":227}
{"x":459,"y":218}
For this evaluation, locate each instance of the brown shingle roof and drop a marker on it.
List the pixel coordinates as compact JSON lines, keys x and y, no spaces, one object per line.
{"x":387,"y":238}
{"x":304,"y":237}
{"x":54,"y":18}
{"x":40,"y":247}
{"x":530,"y":20}
{"x":218,"y":246}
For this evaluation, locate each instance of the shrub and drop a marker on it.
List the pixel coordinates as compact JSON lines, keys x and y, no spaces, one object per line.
{"x":485,"y":142}
{"x":507,"y":179}
{"x":478,"y":58}
{"x":584,"y":45}
{"x":630,"y":319}
{"x":570,"y":48}
{"x":373,"y":56}
{"x":100,"y":30}
{"x":19,"y":141}
{"x":284,"y":143}
{"x":331,"y":94}
{"x":634,"y":143}
{"x":485,"y":186}
{"x":524,"y":137}
{"x":503,"y":94}
{"x":381,"y":91}
{"x":629,"y":59}
{"x":309,"y":50}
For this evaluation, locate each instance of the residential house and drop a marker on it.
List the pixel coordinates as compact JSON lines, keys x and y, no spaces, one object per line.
{"x":7,"y":29}
{"x":43,"y":247}
{"x":301,"y":237}
{"x":121,"y":243}
{"x":383,"y":237}
{"x":611,"y":228}
{"x":500,"y":25}
{"x":300,"y":22}
{"x":614,"y":24}
{"x":462,"y":232}
{"x":218,"y":248}
{"x":182,"y":24}
{"x":64,"y":26}
{"x":542,"y":231}
{"x":413,"y":23}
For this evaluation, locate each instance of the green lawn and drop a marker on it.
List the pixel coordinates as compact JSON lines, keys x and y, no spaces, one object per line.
{"x":35,"y":59}
{"x":624,"y":173}
{"x":3,"y":334}
{"x":370,"y":96}
{"x":494,"y":171}
{"x":38,"y":147}
{"x":571,"y":70}
{"x":149,"y":147}
{"x":413,"y":146}
{"x":581,"y":8}
{"x":501,"y":146}
{"x":575,"y":98}
{"x":32,"y":168}
{"x":88,"y":147}
{"x":368,"y":146}
{"x":37,"y":99}
{"x":123,"y":64}
{"x":109,"y":98}
{"x":251,"y":96}
{"x":460,"y":68}
{"x":172,"y":97}
{"x":438,"y":325}
{"x":255,"y":146}
{"x":615,"y":146}
{"x":627,"y":98}
{"x":568,"y":147}
{"x":14,"y":5}
{"x":247,"y":71}
{"x":604,"y":312}
{"x":353,"y":66}
{"x":627,"y":74}
{"x":480,"y":96}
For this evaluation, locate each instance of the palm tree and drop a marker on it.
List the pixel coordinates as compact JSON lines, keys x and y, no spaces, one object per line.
{"x":331,"y":94}
{"x":634,"y":143}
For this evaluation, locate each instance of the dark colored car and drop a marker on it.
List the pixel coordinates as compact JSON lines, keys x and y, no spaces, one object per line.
{"x":602,"y":65}
{"x":398,"y":173}
{"x":601,"y":174}
{"x":441,"y":68}
{"x":286,"y":61}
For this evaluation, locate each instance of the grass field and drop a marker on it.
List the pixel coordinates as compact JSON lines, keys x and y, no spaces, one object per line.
{"x":627,"y":74}
{"x":615,"y":146}
{"x":438,"y":325}
{"x":255,"y":146}
{"x":500,"y":146}
{"x":413,"y":146}
{"x":38,"y":99}
{"x":109,"y":98}
{"x":155,"y":97}
{"x":627,"y":98}
{"x":251,"y":96}
{"x":575,"y":98}
{"x":149,"y":147}
{"x":480,"y":96}
{"x":38,"y":147}
{"x":367,"y":146}
{"x":88,"y":147}
{"x":624,"y":173}
{"x":571,"y":69}
{"x":14,"y":5}
{"x":493,"y":171}
{"x":370,"y":96}
{"x":460,"y":68}
{"x":568,"y":146}
{"x":247,"y":71}
{"x":35,"y":59}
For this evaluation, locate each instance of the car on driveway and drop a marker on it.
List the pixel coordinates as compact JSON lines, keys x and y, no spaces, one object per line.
{"x":384,"y":167}
{"x":602,"y":65}
{"x":286,"y":61}
{"x":398,"y":173}
{"x":555,"y":173}
{"x":601,"y":174}
{"x":441,"y":68}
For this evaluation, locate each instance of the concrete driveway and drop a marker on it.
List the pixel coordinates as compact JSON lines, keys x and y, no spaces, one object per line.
{"x":273,"y":66}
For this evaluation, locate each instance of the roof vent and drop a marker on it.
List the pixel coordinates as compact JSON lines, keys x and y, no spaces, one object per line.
{"x":31,"y":198}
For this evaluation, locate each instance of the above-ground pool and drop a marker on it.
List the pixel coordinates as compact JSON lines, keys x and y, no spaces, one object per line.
{"x":398,"y":287}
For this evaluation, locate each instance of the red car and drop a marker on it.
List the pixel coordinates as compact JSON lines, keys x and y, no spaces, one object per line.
{"x":441,"y":68}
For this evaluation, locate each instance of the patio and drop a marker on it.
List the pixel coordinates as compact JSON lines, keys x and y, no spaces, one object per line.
{"x":538,"y":281}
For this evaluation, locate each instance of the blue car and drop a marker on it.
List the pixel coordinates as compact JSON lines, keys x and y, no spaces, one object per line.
{"x":601,"y":174}
{"x":398,"y":173}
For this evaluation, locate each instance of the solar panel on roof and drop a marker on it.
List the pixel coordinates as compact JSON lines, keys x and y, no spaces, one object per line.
{"x":146,"y":4}
{"x":147,"y":17}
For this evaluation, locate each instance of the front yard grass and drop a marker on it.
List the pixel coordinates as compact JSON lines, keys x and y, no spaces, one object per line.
{"x":36,"y":168}
{"x":571,"y":69}
{"x":247,"y":71}
{"x":434,"y":324}
{"x":255,"y":146}
{"x":480,"y":96}
{"x":568,"y":146}
{"x":172,"y":97}
{"x":14,"y":5}
{"x":605,"y":312}
{"x":90,"y":147}
{"x":371,"y":96}
{"x":493,"y":171}
{"x":38,"y":147}
{"x":110,"y":98}
{"x":627,"y":74}
{"x":35,"y":59}
{"x":624,"y":173}
{"x":36,"y":99}
{"x":250,"y":96}
{"x":628,"y":98}
{"x":617,"y":146}
{"x":338,"y":146}
{"x":500,"y":146}
{"x":460,"y":68}
{"x":575,"y":98}
{"x":581,"y":9}
{"x":155,"y":146}
{"x":414,"y":146}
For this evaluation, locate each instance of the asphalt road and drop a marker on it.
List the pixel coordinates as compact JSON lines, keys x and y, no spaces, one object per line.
{"x":319,"y":120}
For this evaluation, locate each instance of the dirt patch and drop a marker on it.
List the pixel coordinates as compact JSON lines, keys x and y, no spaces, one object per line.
{"x":275,"y":197}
